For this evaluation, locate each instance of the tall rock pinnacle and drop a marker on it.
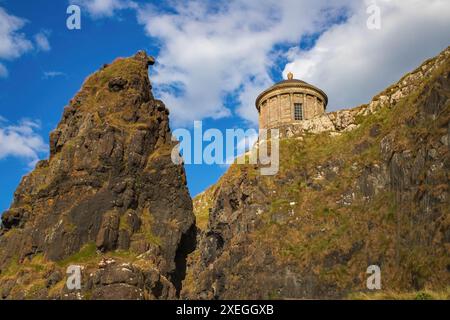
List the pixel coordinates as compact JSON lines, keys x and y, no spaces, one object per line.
{"x":108,"y":190}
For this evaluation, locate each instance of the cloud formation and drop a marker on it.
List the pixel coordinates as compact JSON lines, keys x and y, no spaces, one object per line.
{"x":3,"y":71}
{"x":22,"y":141}
{"x":211,"y":53}
{"x":14,"y":43}
{"x":42,"y":42}
{"x":104,"y":8}
{"x":53,"y":74}
{"x":215,"y":58}
{"x":352,"y":63}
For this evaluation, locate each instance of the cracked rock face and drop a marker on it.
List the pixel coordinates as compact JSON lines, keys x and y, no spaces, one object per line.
{"x":109,"y":189}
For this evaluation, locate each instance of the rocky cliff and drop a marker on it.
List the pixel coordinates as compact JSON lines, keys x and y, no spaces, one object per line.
{"x":108,"y":199}
{"x":359,"y":187}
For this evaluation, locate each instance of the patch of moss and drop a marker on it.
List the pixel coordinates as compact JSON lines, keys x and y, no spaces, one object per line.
{"x":39,"y":263}
{"x":123,"y":223}
{"x":85,"y":254}
{"x":203,"y":201}
{"x":12,"y":267}
{"x":34,"y":288}
{"x":406,"y":295}
{"x":121,"y":254}
{"x":423,"y":296}
{"x":202,"y":218}
{"x":116,"y":120}
{"x":161,"y":152}
{"x":146,"y":228}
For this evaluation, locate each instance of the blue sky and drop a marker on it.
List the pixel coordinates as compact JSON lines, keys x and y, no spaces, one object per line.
{"x":217,"y":56}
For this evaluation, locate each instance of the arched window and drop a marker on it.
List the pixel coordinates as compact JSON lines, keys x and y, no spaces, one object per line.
{"x":298,"y":111}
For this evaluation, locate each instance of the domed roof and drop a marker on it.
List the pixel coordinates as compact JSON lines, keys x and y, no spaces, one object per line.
{"x":291,"y":82}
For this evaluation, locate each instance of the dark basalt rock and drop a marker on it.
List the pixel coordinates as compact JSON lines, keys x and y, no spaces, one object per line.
{"x":117,"y":84}
{"x":109,"y":187}
{"x":14,"y":217}
{"x":54,"y":278}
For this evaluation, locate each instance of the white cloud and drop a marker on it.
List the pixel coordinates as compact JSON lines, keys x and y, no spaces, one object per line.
{"x":22,"y":141}
{"x":104,"y":8}
{"x":42,"y":42}
{"x":12,"y":43}
{"x":352,"y":63}
{"x":210,"y":51}
{"x":53,"y":74}
{"x":3,"y":71}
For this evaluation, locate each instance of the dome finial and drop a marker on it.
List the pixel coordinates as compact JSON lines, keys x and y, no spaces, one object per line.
{"x":290,"y":75}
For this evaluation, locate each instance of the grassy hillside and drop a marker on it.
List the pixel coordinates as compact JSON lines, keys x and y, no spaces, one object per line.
{"x":376,"y":194}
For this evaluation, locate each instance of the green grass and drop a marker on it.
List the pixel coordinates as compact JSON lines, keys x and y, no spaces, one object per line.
{"x":393,"y":295}
{"x":123,"y":223}
{"x":86,"y":254}
{"x":12,"y":268}
{"x":146,"y":228}
{"x":121,"y":254}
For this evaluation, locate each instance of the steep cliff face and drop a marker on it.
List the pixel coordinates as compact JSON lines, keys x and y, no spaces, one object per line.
{"x":359,"y":187}
{"x":108,"y":199}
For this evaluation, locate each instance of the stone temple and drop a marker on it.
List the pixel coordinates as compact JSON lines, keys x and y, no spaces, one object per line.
{"x":289,"y":102}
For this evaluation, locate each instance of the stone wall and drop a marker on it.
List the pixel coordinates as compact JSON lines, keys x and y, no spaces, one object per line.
{"x":345,"y":120}
{"x":277,"y":108}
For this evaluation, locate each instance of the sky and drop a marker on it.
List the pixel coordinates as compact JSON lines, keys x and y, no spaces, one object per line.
{"x":212,"y":60}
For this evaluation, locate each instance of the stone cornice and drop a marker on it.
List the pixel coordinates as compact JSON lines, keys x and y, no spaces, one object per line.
{"x":291,"y":84}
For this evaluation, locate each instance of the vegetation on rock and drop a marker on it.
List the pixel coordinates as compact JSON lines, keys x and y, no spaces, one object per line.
{"x":359,"y":187}
{"x":96,"y":204}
